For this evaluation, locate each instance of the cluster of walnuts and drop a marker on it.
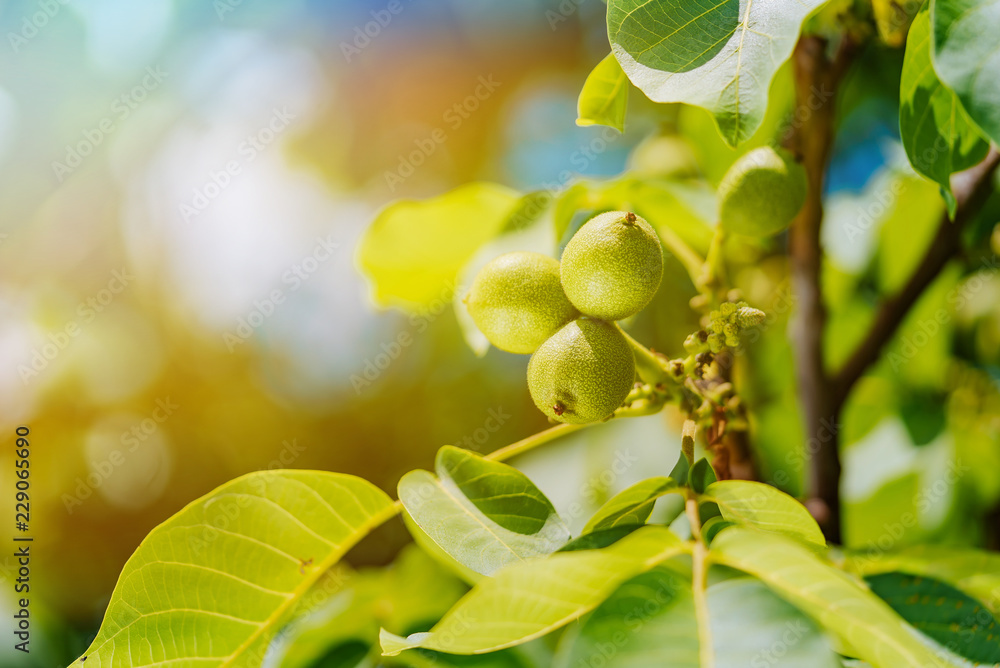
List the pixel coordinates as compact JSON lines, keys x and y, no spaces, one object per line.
{"x":563,"y":313}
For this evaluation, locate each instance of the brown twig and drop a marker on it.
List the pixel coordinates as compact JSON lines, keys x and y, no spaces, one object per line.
{"x":817,"y":78}
{"x":971,"y":188}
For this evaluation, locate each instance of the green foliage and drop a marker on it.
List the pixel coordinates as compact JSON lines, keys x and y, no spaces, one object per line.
{"x":219,"y":579}
{"x":482,"y":513}
{"x":964,"y":54}
{"x":864,"y":624}
{"x":716,"y":54}
{"x":414,"y":250}
{"x":763,"y":507}
{"x":701,"y":476}
{"x":650,"y":620}
{"x":604,"y":97}
{"x":954,"y":620}
{"x":723,"y":585}
{"x":631,"y":506}
{"x":528,"y":600}
{"x":937,"y":134}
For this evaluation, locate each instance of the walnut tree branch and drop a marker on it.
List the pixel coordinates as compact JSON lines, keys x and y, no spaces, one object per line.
{"x":971,"y":188}
{"x":817,"y":78}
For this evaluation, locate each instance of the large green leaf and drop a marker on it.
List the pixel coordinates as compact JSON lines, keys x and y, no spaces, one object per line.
{"x":527,"y":600}
{"x":966,"y":58}
{"x":763,"y":507}
{"x":213,"y":584}
{"x":858,"y":618}
{"x":631,"y":505}
{"x":411,"y":592}
{"x":717,"y":54}
{"x":650,"y":621}
{"x":483,"y":513}
{"x":604,"y":97}
{"x":413,"y":250}
{"x":955,"y":620}
{"x":975,"y":572}
{"x":937,"y":134}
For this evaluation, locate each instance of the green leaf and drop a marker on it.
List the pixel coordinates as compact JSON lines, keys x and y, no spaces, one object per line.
{"x":650,"y":621}
{"x":714,"y":525}
{"x":601,"y":538}
{"x":413,"y":250}
{"x":681,"y":470}
{"x":763,"y":507}
{"x":411,"y":592}
{"x":604,"y":97}
{"x":701,"y":476}
{"x":937,"y":134}
{"x":717,"y":54}
{"x":953,"y":619}
{"x":483,"y":513}
{"x":527,"y":600}
{"x":974,"y":572}
{"x":215,"y":582}
{"x":631,"y":505}
{"x":966,"y":58}
{"x":853,"y":614}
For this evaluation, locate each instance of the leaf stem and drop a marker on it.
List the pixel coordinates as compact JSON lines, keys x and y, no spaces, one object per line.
{"x":651,"y":368}
{"x":713,"y":276}
{"x":687,"y":256}
{"x":699,"y":581}
{"x":533,"y":441}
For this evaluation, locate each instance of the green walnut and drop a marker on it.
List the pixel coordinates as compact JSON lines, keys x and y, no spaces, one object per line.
{"x":761,"y":193}
{"x":517,"y":301}
{"x":612,"y":266}
{"x":582,"y":373}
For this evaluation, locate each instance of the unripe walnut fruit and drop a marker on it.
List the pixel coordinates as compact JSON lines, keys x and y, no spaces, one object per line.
{"x":582,"y":373}
{"x":762,"y":193}
{"x":612,"y":266}
{"x":517,"y":301}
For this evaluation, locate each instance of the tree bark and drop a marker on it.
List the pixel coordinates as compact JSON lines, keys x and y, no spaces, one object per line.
{"x":817,"y":79}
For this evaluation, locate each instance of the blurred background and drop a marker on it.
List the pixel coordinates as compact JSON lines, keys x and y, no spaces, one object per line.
{"x":183,"y":186}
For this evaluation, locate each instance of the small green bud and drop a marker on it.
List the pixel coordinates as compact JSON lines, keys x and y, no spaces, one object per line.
{"x":747,"y":317}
